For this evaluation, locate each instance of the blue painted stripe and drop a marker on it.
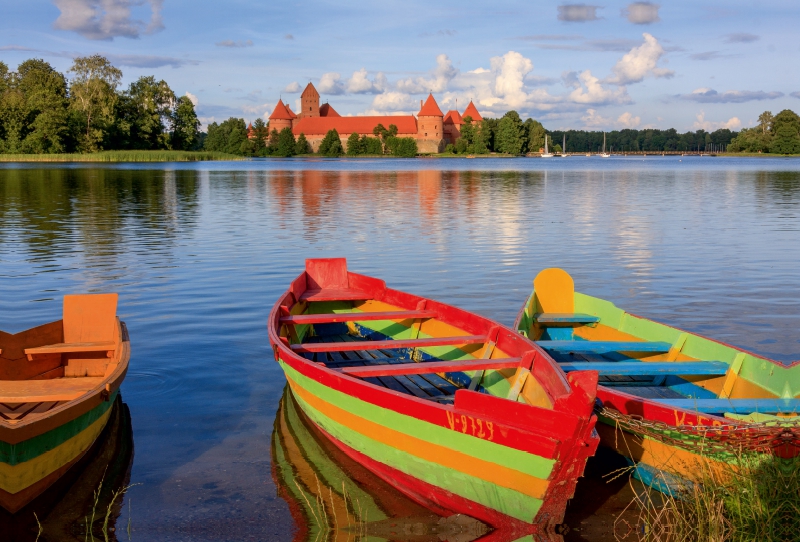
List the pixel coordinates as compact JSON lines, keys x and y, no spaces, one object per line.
{"x":605,"y":346}
{"x":565,"y":318}
{"x":640,"y":368}
{"x":737,"y":406}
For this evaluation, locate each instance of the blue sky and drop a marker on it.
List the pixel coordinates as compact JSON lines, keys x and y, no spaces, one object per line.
{"x":597,"y":65}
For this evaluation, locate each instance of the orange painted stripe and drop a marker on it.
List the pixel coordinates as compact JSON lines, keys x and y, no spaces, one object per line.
{"x":434,"y":453}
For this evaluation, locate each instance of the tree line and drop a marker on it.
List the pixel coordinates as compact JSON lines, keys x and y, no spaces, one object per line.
{"x":232,"y":136}
{"x":778,"y":134}
{"x":45,"y":111}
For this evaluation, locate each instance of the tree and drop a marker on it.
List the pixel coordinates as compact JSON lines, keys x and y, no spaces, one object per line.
{"x":302,"y":146}
{"x":286,"y":143}
{"x":151,"y":104}
{"x":371,"y":145}
{"x":331,"y":145}
{"x":765,"y":121}
{"x":785,"y":133}
{"x":229,"y":137}
{"x":354,"y":145}
{"x":184,"y":124}
{"x":536,"y":134}
{"x":93,"y":91}
{"x":402,"y":146}
{"x":510,"y":136}
{"x":272,"y":142}
{"x":44,"y":91}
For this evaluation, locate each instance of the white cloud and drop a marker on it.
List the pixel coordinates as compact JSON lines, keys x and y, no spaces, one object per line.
{"x":107,"y":19}
{"x":590,"y":90}
{"x":437,"y":82}
{"x":592,"y":119}
{"x":642,"y":13}
{"x":360,"y":83}
{"x":640,"y":62}
{"x":260,"y":110}
{"x":577,"y":13}
{"x":330,"y":83}
{"x":709,"y":95}
{"x":394,"y":102}
{"x":192,"y":98}
{"x":292,"y":87}
{"x":231,"y":43}
{"x":509,"y":73}
{"x":701,"y":123}
{"x":627,"y":120}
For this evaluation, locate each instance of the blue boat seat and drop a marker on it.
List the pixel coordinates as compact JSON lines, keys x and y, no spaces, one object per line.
{"x":737,"y":406}
{"x":642,"y":368}
{"x":600,"y":347}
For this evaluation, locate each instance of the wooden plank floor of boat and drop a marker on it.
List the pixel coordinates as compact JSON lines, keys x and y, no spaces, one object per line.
{"x":425,"y":386}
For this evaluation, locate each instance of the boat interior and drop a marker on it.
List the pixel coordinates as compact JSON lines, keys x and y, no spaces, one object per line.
{"x":52,"y":364}
{"x":415,"y":352}
{"x":657,"y":370}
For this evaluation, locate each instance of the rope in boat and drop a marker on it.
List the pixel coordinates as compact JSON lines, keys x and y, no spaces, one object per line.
{"x":778,"y":436}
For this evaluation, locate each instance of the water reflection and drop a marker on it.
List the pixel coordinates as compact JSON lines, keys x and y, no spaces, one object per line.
{"x":90,"y":489}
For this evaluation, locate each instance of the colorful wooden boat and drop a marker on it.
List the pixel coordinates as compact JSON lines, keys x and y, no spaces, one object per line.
{"x":681,"y":396}
{"x":459,"y":413}
{"x":57,"y":384}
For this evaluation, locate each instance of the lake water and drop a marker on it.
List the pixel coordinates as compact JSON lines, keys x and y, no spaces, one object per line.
{"x":200,"y":252}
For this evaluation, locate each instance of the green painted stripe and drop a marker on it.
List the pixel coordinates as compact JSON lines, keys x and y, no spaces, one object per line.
{"x":519,"y":460}
{"x":14,"y":454}
{"x":507,"y":501}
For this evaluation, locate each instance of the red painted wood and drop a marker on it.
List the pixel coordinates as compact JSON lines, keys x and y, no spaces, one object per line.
{"x":327,"y":273}
{"x":330,"y":294}
{"x":378,"y":345}
{"x":427,"y":367}
{"x":355,"y":317}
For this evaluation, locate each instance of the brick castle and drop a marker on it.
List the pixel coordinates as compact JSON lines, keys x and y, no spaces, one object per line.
{"x":432,"y":129}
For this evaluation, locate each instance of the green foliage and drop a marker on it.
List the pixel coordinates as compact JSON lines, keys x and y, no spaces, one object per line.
{"x":785,"y":133}
{"x":150,"y":108}
{"x":302,"y":146}
{"x":354,"y":145}
{"x":402,"y":146}
{"x":121,"y":156}
{"x":93,"y":91}
{"x":229,"y":137}
{"x":331,"y":144}
{"x":371,"y":145}
{"x":185,"y":126}
{"x":286,"y":143}
{"x":511,"y":137}
{"x":450,"y":149}
{"x":536,"y":134}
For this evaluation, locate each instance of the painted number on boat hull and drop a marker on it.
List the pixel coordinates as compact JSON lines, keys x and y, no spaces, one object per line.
{"x":470,"y":425}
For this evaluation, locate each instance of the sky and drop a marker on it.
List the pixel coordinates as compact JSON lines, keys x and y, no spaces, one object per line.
{"x":601,"y":65}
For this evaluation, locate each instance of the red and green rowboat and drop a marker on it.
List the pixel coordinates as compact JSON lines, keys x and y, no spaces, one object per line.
{"x":459,"y":413}
{"x":672,"y":401}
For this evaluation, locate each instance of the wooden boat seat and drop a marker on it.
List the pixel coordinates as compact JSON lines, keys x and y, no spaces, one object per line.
{"x":38,"y":391}
{"x":736,"y":406}
{"x":333,"y":294}
{"x":355,"y":317}
{"x":90,"y":325}
{"x":640,"y":368}
{"x":390,"y":344}
{"x":598,"y":347}
{"x":68,"y":348}
{"x":429,"y":367}
{"x":564,"y":318}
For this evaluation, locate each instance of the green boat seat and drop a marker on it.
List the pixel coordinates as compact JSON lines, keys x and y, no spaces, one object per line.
{"x":642,"y":368}
{"x":565,"y":318}
{"x":599,"y":347}
{"x":736,"y":406}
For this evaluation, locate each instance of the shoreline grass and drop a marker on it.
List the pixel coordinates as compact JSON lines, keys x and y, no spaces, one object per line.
{"x":123,"y":156}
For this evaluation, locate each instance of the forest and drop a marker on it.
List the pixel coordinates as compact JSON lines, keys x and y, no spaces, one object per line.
{"x":43,"y":111}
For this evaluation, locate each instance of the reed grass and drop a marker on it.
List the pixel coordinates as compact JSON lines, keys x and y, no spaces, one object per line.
{"x":122,"y":156}
{"x":754,"y":498}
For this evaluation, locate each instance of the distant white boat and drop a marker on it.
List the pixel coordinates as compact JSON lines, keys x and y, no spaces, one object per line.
{"x":564,"y":147}
{"x":604,"y":154}
{"x":546,"y":154}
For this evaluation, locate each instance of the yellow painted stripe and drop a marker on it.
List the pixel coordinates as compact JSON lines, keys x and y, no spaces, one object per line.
{"x":484,"y":470}
{"x":15,"y":478}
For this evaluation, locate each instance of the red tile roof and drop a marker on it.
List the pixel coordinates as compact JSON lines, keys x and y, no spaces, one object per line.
{"x":292,"y":113}
{"x":406,"y":125}
{"x":281,"y":112}
{"x":472,"y":111}
{"x":310,"y":89}
{"x":430,"y":109}
{"x":325,"y":110}
{"x":453,"y":117}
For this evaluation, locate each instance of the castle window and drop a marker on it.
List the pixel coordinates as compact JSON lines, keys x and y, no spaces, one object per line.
{"x":426,"y":134}
{"x":309,"y":108}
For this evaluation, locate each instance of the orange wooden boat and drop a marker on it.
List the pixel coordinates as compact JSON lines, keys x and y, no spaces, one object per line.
{"x":58,"y":382}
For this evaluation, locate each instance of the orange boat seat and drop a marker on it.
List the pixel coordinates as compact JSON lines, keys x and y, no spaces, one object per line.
{"x":39,"y":391}
{"x":89,"y":326}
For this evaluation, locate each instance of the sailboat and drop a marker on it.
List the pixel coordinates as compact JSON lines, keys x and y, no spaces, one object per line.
{"x":604,"y":154}
{"x":564,"y":147}
{"x":546,"y":154}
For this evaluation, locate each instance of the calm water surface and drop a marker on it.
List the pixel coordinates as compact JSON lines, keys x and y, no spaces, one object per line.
{"x":199,"y":253}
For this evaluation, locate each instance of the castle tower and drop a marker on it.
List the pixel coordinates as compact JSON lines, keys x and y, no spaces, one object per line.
{"x":430,"y":126}
{"x":309,"y":102}
{"x":472,"y":111}
{"x":280,"y":117}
